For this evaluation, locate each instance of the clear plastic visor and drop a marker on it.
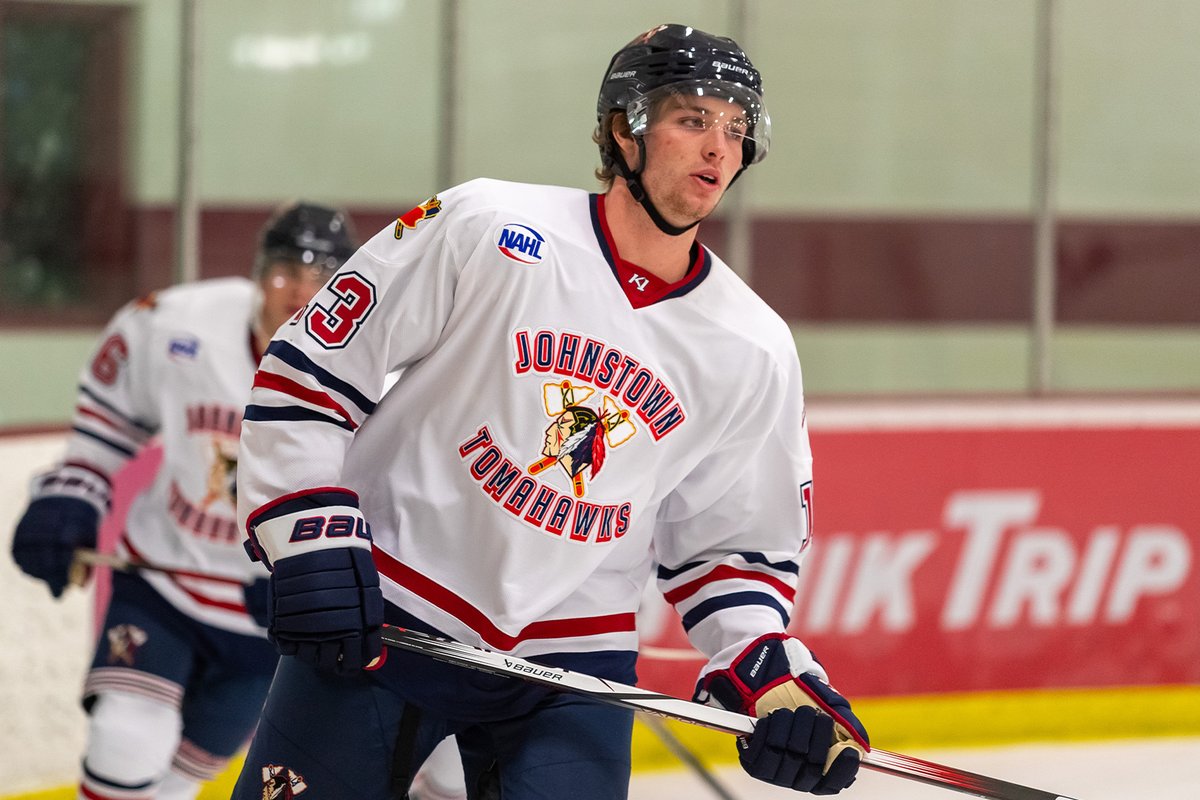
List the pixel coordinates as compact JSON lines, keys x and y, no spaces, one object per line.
{"x":703,"y":106}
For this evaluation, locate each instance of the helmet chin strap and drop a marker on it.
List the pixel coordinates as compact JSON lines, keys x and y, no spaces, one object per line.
{"x":632,"y":180}
{"x":638,"y":192}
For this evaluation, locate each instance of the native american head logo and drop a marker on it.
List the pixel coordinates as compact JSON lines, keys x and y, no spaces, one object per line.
{"x":222,"y":473}
{"x":579,"y":435}
{"x":280,"y":783}
{"x":123,"y":643}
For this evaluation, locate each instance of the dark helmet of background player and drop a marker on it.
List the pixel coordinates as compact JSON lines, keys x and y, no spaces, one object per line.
{"x":306,"y":233}
{"x":674,"y":60}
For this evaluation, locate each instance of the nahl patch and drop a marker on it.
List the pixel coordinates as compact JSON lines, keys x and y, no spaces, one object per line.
{"x":520,"y":243}
{"x":280,"y":783}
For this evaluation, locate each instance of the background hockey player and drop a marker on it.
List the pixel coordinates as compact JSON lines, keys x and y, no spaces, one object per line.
{"x":583,"y":390}
{"x":182,"y":663}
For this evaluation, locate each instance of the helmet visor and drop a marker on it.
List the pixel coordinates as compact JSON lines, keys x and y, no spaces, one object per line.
{"x":703,"y":105}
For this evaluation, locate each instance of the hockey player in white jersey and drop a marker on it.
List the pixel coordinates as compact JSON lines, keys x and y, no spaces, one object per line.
{"x":182,"y":663}
{"x":584,"y":390}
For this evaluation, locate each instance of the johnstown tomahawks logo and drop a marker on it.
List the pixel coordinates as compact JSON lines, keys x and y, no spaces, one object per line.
{"x":578,"y":438}
{"x":280,"y":783}
{"x":123,"y":643}
{"x":579,"y":435}
{"x":597,"y":397}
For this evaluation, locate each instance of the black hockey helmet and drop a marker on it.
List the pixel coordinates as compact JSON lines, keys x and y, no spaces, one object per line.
{"x":676,"y":62}
{"x":306,"y":233}
{"x":679,"y":59}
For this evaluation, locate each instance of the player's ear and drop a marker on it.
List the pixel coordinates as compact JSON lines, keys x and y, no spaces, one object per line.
{"x":623,"y":138}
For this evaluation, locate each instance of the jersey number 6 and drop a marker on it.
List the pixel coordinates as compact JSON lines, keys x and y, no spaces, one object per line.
{"x":334,"y":323}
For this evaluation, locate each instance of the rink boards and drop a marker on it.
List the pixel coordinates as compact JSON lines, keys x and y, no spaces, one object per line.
{"x":980,"y":572}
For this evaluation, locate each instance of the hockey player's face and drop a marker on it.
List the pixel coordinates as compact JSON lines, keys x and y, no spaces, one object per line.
{"x":286,"y":287}
{"x":693,"y":151}
{"x":557,"y":433}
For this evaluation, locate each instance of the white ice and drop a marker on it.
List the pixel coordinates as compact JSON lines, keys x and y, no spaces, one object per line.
{"x":1143,"y":769}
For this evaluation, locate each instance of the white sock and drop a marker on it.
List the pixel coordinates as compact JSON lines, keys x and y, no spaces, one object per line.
{"x":131,"y":741}
{"x":441,"y":776}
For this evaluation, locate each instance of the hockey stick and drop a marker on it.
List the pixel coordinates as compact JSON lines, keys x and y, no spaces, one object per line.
{"x":85,"y":559}
{"x":614,"y":693}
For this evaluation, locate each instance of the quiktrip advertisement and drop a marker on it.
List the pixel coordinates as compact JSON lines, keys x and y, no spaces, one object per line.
{"x":992,"y":559}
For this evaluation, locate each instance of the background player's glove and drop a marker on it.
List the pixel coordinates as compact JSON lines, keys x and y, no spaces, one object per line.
{"x":324,"y":602}
{"x":807,"y":737}
{"x":258,"y":599}
{"x":48,"y":534}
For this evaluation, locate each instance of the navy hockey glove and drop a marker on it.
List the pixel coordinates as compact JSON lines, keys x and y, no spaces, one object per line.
{"x":258,"y":600}
{"x":326,"y":608}
{"x":49,"y":533}
{"x":807,"y":738}
{"x":324,"y":604}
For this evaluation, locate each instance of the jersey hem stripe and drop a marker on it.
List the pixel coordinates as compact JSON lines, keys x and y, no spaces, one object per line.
{"x":426,"y":589}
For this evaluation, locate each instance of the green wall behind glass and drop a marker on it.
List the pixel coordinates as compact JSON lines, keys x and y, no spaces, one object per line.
{"x":880,"y":107}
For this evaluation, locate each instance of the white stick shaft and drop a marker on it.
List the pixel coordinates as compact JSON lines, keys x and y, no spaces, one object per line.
{"x":719,"y":719}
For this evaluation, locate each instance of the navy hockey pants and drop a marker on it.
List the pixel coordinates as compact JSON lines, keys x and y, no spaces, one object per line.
{"x":149,"y":647}
{"x":336,"y":737}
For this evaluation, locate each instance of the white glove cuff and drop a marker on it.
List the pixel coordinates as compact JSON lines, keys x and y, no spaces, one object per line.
{"x":311,"y":530}
{"x":73,"y":480}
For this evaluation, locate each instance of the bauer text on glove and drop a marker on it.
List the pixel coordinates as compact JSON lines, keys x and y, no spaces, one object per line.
{"x":325,"y":605}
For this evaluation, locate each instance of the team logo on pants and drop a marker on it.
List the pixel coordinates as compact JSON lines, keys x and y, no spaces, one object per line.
{"x":280,"y":783}
{"x":123,"y":643}
{"x":579,"y":435}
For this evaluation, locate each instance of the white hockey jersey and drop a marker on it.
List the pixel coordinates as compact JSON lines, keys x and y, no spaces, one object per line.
{"x":560,"y":424}
{"x":176,"y":364}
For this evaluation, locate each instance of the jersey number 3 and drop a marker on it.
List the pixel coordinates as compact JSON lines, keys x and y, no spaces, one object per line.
{"x":333,"y":322}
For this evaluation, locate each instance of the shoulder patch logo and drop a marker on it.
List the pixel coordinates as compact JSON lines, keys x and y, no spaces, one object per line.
{"x":520,"y":243}
{"x":183,"y":347}
{"x":427,"y":210}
